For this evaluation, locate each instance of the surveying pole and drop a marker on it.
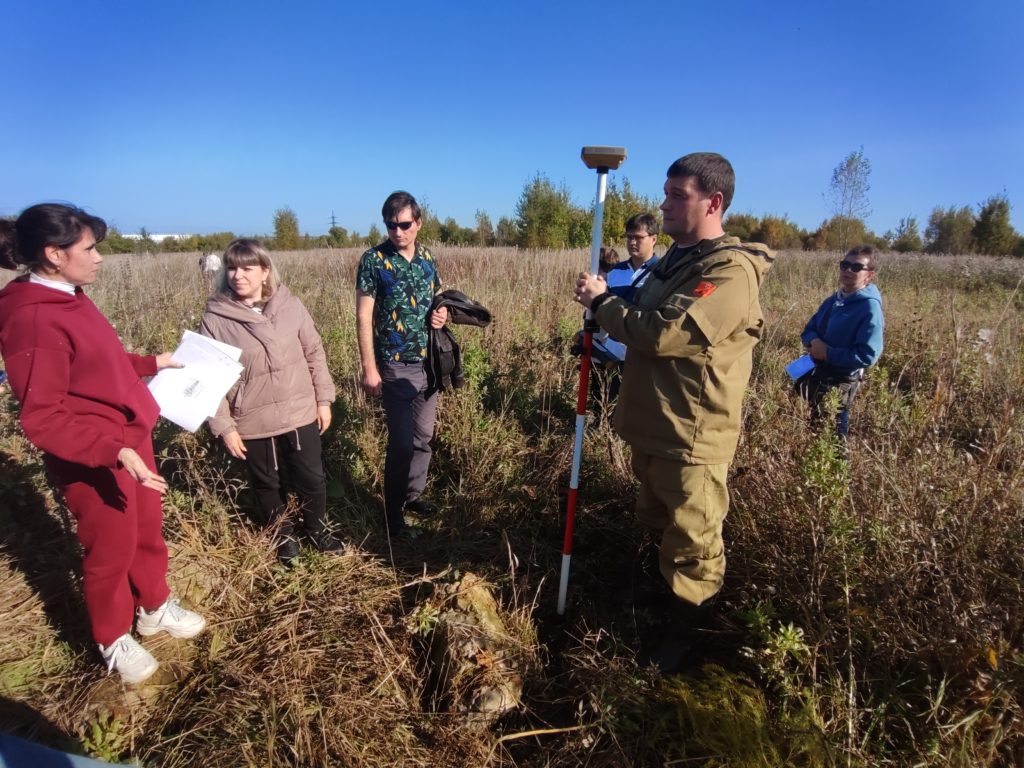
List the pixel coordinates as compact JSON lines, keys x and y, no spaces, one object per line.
{"x":601,"y":159}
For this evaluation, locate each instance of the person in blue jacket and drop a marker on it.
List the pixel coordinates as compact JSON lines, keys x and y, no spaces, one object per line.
{"x":844,"y":337}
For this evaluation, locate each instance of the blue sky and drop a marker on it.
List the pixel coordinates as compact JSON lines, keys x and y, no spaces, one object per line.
{"x":208,"y":116}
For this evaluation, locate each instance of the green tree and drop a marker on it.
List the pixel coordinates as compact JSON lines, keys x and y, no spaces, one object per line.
{"x":337,"y":237}
{"x":180,"y":244}
{"x":286,"y":230}
{"x":993,"y":233}
{"x":215,"y":242}
{"x":374,"y":236}
{"x":453,"y":234}
{"x":544,"y":215}
{"x":741,"y":225}
{"x":484,"y":235}
{"x":115,"y":242}
{"x":145,"y":243}
{"x":848,"y":198}
{"x":506,"y":233}
{"x":950,"y":231}
{"x":430,"y":226}
{"x":581,"y":228}
{"x":778,"y":232}
{"x":619,"y":205}
{"x":907,"y":237}
{"x":838,"y":234}
{"x":616,"y":211}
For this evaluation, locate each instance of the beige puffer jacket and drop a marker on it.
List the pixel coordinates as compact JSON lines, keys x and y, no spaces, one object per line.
{"x":285,"y":375}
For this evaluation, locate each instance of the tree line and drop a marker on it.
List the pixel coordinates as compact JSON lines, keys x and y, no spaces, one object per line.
{"x":547,"y":217}
{"x":950,"y":230}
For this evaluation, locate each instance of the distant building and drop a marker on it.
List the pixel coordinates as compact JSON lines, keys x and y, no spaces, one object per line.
{"x":156,"y":238}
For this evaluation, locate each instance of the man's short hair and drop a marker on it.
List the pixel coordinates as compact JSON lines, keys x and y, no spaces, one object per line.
{"x":865,"y":250}
{"x":645,"y":221}
{"x":712,"y":172}
{"x":398,"y":202}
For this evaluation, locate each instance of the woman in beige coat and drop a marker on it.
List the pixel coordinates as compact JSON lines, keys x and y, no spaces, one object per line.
{"x":274,"y":415}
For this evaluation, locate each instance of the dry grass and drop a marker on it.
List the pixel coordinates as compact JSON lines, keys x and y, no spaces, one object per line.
{"x":871,"y":615}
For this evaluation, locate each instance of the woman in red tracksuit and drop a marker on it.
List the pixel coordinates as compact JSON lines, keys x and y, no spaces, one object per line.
{"x":84,"y":404}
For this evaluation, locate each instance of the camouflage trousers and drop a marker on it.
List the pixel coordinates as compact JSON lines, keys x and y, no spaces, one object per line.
{"x":686,"y":504}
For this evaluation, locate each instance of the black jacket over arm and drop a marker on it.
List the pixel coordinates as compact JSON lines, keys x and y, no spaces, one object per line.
{"x":444,"y":358}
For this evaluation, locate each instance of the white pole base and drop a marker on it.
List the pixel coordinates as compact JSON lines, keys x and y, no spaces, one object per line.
{"x":563,"y":584}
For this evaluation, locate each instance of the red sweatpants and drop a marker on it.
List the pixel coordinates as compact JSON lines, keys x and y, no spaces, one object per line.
{"x":125,"y":558}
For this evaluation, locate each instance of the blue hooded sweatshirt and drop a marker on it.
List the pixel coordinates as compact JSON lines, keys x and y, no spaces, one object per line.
{"x":852,"y":328}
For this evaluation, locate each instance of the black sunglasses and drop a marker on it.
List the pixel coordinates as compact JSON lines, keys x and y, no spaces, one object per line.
{"x":402,"y":225}
{"x":853,"y":266}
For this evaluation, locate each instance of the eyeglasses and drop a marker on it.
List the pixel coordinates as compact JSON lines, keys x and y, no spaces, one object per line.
{"x":637,"y":237}
{"x":402,"y":225}
{"x":853,"y":266}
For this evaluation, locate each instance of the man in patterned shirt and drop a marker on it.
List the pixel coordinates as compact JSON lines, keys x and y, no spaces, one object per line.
{"x":395,"y":285}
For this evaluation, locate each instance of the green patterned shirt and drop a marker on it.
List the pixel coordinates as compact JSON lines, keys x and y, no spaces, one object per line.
{"x":402,"y":291}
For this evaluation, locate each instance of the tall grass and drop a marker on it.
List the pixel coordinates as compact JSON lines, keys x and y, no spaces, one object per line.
{"x":871,"y":613}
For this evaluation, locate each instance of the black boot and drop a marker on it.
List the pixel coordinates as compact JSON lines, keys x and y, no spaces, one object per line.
{"x":287,"y":544}
{"x":287,"y":550}
{"x":421,"y":508}
{"x":682,"y":634}
{"x":315,"y":522}
{"x":328,"y":544}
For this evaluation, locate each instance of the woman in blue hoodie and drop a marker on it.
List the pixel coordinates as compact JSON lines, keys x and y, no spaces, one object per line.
{"x":844,"y":336}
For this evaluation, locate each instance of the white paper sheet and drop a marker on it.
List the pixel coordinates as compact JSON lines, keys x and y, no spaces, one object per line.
{"x":188,"y":396}
{"x":233,"y":352}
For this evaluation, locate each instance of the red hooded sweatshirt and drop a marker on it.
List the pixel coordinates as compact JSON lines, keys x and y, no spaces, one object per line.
{"x":82,"y":398}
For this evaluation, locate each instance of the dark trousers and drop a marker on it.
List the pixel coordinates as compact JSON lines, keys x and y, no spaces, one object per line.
{"x":124,"y":559}
{"x":814,"y":387}
{"x":299,"y":453}
{"x":410,"y":408}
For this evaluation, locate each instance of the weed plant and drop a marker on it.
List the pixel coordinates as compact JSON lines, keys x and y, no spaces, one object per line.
{"x":872,"y":612}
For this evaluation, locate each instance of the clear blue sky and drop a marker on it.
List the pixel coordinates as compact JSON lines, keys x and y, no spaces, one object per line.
{"x":207,"y":116}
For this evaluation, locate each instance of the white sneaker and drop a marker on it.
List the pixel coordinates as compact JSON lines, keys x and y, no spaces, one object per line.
{"x":133,"y":662}
{"x":170,"y":618}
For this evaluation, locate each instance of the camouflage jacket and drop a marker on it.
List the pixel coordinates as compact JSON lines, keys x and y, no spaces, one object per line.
{"x":690,"y":334}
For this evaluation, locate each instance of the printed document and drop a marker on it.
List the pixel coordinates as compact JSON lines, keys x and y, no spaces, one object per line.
{"x":188,"y":396}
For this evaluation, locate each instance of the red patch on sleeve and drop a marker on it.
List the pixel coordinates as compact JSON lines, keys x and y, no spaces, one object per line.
{"x":704,"y":288}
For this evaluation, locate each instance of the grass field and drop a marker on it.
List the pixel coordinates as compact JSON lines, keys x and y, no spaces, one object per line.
{"x":872,"y":613}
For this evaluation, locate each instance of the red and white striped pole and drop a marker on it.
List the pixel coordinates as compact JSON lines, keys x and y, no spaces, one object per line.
{"x":602,"y":159}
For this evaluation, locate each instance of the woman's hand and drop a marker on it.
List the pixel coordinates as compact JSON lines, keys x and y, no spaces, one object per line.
{"x":233,"y":442}
{"x":818,"y":350}
{"x":164,"y":360}
{"x":136,"y":467}
{"x":323,"y":417}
